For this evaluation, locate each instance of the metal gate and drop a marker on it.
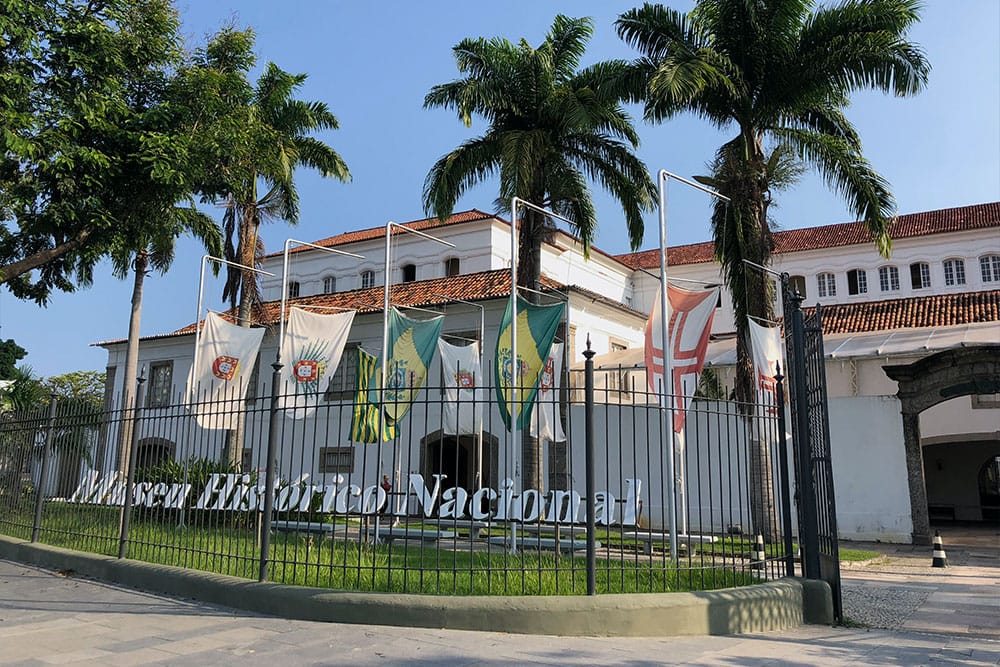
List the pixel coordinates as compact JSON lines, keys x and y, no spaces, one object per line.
{"x":817,"y":509}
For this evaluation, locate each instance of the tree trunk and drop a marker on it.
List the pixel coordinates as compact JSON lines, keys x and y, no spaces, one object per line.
{"x":131,"y":374}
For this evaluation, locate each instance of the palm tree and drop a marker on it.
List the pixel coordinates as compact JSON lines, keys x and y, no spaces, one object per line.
{"x":279,"y":141}
{"x":781,"y":75}
{"x":151,"y":247}
{"x":550,"y":128}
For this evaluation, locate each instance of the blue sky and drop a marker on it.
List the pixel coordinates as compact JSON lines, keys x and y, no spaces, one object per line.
{"x":374,"y":62}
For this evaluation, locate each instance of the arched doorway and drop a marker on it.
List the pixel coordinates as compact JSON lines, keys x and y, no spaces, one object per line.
{"x":153,"y":451}
{"x":460,"y":458}
{"x":966,"y":371}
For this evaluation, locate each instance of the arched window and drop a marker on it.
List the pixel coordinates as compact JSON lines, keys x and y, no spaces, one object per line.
{"x":857,"y":281}
{"x":826,"y":284}
{"x":367,"y":279}
{"x":329,"y":285}
{"x":920,"y":275}
{"x":293,"y":289}
{"x":409,"y":273}
{"x":989,"y":267}
{"x":797,"y":284}
{"x":888,"y":278}
{"x":954,"y":272}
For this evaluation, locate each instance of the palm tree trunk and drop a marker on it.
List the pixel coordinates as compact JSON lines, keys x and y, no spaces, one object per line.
{"x":131,"y":360}
{"x":529,"y":274}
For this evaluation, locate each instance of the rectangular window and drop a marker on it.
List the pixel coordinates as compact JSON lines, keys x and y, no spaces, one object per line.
{"x":920,"y":275}
{"x":857,"y":281}
{"x":796,"y":283}
{"x":409,"y":273}
{"x":329,"y":285}
{"x":451,"y":267}
{"x":954,"y":272}
{"x":343,"y":384}
{"x":293,"y":290}
{"x":827,"y":284}
{"x":161,"y":378}
{"x":989,"y":267}
{"x":336,"y":460}
{"x":888,"y":278}
{"x":367,"y":279}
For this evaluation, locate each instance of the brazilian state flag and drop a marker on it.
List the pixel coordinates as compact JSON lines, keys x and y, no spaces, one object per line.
{"x":536,"y":329}
{"x":412,"y":344}
{"x":366,"y":415}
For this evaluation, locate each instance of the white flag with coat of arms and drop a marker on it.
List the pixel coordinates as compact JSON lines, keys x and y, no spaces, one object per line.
{"x":310,"y":353}
{"x":226,"y":357}
{"x":545,"y":422}
{"x":463,"y":388}
{"x":767,"y":353}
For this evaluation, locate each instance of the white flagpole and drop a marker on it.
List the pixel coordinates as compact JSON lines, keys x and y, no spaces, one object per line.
{"x":668,"y":366}
{"x":385,"y":347}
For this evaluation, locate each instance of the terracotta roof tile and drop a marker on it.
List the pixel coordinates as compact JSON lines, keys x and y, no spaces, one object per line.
{"x":939,"y":310}
{"x":962,"y":218}
{"x":379,"y":232}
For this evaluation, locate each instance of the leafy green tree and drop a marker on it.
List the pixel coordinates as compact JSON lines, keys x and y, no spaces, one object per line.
{"x":780,"y":74}
{"x":551,"y":128}
{"x":92,"y":147}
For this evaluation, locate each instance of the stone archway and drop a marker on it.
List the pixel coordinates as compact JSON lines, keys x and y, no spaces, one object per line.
{"x":458,"y":456}
{"x":925,"y":383}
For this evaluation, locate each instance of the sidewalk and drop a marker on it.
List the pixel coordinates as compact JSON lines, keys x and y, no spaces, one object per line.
{"x":48,"y":618}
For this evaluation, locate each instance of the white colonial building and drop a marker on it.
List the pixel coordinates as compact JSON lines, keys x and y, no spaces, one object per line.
{"x":939,"y":291}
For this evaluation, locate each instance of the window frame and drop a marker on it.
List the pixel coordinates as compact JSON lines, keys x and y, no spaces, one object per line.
{"x":796,"y":282}
{"x":294,"y":289}
{"x":989,"y":268}
{"x":452,"y":267}
{"x":857,"y":282}
{"x":954,"y":271}
{"x":367,"y":279}
{"x":340,"y":467}
{"x":888,"y":278}
{"x":329,"y":284}
{"x":344,"y":381}
{"x":157,"y":396}
{"x":411,"y":269}
{"x":826,"y":285}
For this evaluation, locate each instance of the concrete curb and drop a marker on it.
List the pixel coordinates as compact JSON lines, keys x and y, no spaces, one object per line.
{"x":763,"y":607}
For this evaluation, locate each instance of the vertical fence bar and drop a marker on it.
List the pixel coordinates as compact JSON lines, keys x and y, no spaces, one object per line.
{"x":589,"y":462}
{"x":272,"y":438}
{"x":126,"y":519}
{"x":43,"y":475}
{"x":786,"y":508}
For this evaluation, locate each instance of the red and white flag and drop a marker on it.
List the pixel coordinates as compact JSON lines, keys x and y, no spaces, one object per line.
{"x":464,"y":390}
{"x":545,"y":422}
{"x":690,"y":316}
{"x":218,"y":385}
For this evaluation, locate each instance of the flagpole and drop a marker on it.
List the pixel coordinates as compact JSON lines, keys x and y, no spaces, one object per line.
{"x":482,"y":344}
{"x":383,"y":375}
{"x":284,"y":284}
{"x":514,"y":375}
{"x":667,"y":388}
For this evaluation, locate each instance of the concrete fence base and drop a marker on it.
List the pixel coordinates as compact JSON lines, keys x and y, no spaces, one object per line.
{"x":759,"y":608}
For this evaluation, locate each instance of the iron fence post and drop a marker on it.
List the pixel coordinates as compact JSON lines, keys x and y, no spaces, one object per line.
{"x":786,"y":505}
{"x":272,"y":439}
{"x":589,"y":462}
{"x":43,"y":475}
{"x":809,"y":537}
{"x":126,"y":518}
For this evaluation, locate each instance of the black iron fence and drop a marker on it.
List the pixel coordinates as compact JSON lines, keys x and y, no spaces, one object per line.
{"x":272,"y":487}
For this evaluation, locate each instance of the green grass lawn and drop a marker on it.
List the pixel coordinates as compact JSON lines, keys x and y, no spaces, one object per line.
{"x":228,"y":544}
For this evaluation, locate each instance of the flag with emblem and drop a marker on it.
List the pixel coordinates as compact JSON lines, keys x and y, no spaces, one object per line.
{"x":226,"y":357}
{"x":310,"y":354}
{"x":366,"y":417}
{"x":545,"y":421}
{"x":536,"y":329}
{"x":411,"y":350}
{"x":464,"y":396}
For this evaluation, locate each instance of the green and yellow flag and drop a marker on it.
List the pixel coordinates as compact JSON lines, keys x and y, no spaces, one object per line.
{"x":536,"y":328}
{"x":412,"y":344}
{"x":365,"y":418}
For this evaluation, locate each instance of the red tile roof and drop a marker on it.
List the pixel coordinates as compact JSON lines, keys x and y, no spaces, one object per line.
{"x":939,"y":310}
{"x":962,"y":218}
{"x":472,"y":215}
